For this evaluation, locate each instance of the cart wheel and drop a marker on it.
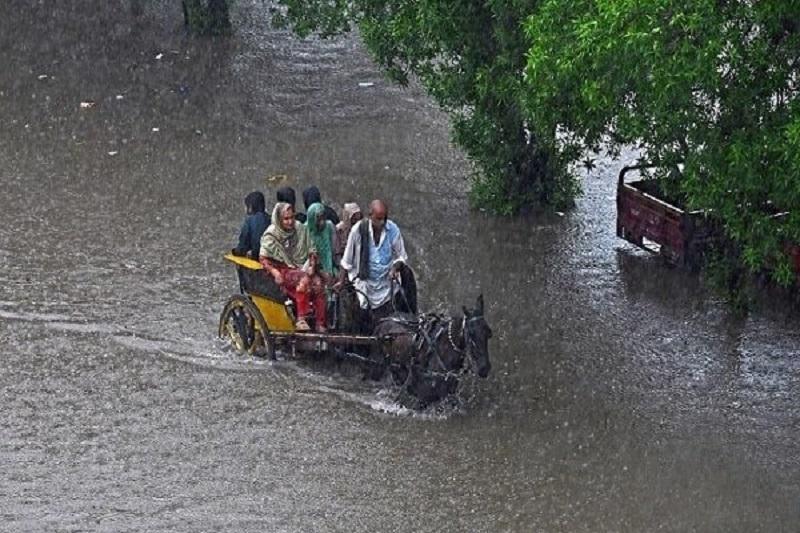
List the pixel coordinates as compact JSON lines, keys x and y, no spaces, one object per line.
{"x":243,"y":324}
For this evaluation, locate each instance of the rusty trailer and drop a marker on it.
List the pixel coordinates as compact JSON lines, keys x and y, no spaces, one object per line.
{"x":648,"y":220}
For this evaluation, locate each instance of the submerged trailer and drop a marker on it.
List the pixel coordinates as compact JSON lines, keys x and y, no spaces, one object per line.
{"x":794,"y":259}
{"x":647,"y":219}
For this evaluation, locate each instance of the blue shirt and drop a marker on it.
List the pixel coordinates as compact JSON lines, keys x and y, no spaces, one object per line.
{"x":376,"y":290}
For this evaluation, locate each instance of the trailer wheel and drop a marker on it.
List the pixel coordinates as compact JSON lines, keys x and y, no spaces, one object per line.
{"x":669,"y":256}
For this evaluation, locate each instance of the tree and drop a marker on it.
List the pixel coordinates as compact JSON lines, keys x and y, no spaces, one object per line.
{"x":708,"y":88}
{"x":207,"y":17}
{"x":470,"y":57}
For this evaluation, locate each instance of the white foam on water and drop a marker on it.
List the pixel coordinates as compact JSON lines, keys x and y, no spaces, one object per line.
{"x":80,"y":327}
{"x":437,"y":412}
{"x":389,"y":407}
{"x":211,"y":353}
{"x":35,"y":317}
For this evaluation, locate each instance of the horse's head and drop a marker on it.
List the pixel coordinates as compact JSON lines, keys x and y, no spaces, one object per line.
{"x":476,"y":338}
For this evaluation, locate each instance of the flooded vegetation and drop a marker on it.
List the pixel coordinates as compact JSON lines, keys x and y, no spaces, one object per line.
{"x":623,"y":395}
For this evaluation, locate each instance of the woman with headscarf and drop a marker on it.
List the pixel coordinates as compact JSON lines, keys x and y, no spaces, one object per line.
{"x":351,"y":214}
{"x":290,"y":258}
{"x":323,"y":239}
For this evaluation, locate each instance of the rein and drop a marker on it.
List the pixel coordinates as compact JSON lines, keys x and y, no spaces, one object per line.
{"x":429,"y":329}
{"x":402,"y":290}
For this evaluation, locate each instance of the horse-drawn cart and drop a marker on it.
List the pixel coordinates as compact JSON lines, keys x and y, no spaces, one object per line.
{"x":427,"y":355}
{"x":259,"y":320}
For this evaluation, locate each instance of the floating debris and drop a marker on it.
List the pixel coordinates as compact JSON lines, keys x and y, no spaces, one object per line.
{"x":120,"y":97}
{"x":277,"y":177}
{"x":43,"y":76}
{"x":159,"y":56}
{"x":87,"y":104}
{"x":113,"y":153}
{"x":156,"y":129}
{"x":366,"y":84}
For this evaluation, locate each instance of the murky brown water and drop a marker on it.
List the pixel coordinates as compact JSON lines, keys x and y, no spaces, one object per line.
{"x":625,"y":397}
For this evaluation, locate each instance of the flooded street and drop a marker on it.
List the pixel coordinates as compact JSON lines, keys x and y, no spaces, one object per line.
{"x":624,"y":397}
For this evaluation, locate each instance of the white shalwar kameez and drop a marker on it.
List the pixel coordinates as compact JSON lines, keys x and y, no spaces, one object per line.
{"x":376,"y":290}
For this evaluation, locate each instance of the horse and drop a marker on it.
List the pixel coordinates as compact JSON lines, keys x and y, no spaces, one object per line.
{"x":427,"y":355}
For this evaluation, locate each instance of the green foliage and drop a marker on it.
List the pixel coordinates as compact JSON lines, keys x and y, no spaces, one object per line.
{"x":708,"y":87}
{"x":207,"y":17}
{"x":470,"y":57}
{"x":725,"y":274}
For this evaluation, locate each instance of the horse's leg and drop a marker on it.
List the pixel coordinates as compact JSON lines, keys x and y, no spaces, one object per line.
{"x":430,"y":389}
{"x":408,"y":400}
{"x":409,"y":395}
{"x":450,"y":387}
{"x":376,"y":365}
{"x":399,"y":375}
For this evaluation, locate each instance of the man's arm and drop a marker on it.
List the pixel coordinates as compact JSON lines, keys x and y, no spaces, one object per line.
{"x":350,"y":256}
{"x":399,"y":254}
{"x":335,"y":244}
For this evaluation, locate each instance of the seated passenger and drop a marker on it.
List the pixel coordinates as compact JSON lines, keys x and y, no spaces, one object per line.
{"x":254,"y":225}
{"x":311,"y":196}
{"x":323,"y":239}
{"x":286,"y":194}
{"x":287,"y":255}
{"x":351,"y":214}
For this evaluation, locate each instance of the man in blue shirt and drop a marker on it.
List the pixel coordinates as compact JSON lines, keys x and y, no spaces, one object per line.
{"x":375,"y":255}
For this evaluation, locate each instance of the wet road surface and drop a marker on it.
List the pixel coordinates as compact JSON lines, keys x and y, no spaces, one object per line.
{"x":624,"y":396}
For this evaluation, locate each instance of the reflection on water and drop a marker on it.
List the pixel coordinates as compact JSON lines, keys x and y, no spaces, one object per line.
{"x":624,"y":396}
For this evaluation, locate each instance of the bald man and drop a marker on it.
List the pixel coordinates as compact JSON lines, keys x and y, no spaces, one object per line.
{"x":375,"y":253}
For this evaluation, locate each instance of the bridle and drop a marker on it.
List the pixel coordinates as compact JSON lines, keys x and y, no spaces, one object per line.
{"x":463,"y":335}
{"x":469,"y":343}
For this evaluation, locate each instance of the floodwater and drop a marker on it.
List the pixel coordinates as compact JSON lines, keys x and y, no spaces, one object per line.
{"x":624,"y":396}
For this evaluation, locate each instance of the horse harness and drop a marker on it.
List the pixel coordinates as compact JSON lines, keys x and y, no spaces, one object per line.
{"x":429,"y":328}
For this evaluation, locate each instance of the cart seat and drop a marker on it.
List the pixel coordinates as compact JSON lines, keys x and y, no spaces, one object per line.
{"x":254,"y":280}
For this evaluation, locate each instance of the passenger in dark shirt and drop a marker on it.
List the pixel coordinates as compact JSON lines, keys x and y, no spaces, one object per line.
{"x":253,"y":226}
{"x":312,"y":196}
{"x":286,"y":194}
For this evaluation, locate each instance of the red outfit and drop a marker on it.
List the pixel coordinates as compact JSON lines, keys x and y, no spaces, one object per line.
{"x":315,"y":289}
